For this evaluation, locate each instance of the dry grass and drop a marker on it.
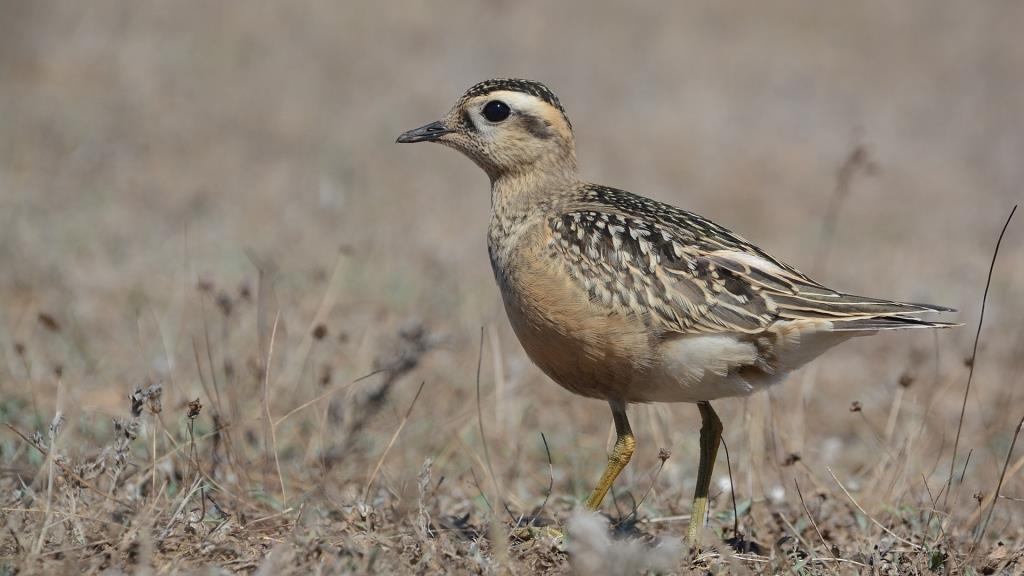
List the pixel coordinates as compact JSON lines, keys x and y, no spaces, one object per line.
{"x":222,"y":287}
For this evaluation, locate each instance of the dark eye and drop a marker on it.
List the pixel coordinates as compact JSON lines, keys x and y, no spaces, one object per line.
{"x":496,"y":111}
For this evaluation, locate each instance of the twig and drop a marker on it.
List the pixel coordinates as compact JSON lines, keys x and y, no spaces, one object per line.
{"x":868,"y":516}
{"x":193,"y":453}
{"x":202,"y":377}
{"x":272,"y":516}
{"x":963,"y":472}
{"x":999,"y":485}
{"x":857,"y":160}
{"x":877,"y":437}
{"x":480,"y":413}
{"x":663,"y":519}
{"x":732,"y":492}
{"x":839,"y":560}
{"x":209,"y":354}
{"x":181,"y":506}
{"x":476,"y":482}
{"x":811,"y":518}
{"x":516,"y":521}
{"x":229,"y":453}
{"x":50,"y":460}
{"x":932,"y":500}
{"x":796,"y":533}
{"x":974,"y":356}
{"x":551,"y":476}
{"x":266,"y":406}
{"x":152,"y":470}
{"x":391,"y":442}
{"x":498,"y":538}
{"x":662,"y":456}
{"x":334,"y":389}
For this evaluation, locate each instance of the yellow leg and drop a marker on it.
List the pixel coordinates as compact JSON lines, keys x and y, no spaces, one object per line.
{"x":623,"y":451}
{"x":710,"y":437}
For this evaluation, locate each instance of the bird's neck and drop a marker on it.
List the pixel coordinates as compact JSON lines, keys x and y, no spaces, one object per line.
{"x":519,"y":193}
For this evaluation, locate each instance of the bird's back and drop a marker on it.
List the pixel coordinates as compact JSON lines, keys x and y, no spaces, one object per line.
{"x":689,"y":274}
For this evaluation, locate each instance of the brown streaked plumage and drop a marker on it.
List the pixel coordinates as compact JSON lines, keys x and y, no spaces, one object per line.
{"x":623,"y":298}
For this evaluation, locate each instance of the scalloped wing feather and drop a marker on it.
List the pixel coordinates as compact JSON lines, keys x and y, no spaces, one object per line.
{"x":685,"y":274}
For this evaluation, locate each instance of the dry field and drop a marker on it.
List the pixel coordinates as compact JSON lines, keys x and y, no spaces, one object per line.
{"x":242,"y":331}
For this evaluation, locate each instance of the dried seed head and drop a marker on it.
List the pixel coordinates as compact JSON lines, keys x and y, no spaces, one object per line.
{"x":906,"y":379}
{"x":193,"y":409}
{"x":148,"y":397}
{"x":125,"y":428}
{"x":48,"y":322}
{"x":320,"y":331}
{"x":224,"y":303}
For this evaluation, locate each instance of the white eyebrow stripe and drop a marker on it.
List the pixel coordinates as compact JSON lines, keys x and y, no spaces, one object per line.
{"x":519,"y":102}
{"x":523,"y":103}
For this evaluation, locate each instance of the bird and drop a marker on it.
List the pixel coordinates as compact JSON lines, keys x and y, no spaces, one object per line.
{"x":625,"y":299}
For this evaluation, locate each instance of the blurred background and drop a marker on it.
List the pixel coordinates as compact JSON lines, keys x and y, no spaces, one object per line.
{"x":175,"y":176}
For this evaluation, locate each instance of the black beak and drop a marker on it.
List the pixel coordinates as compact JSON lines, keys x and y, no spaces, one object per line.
{"x":427,"y":133}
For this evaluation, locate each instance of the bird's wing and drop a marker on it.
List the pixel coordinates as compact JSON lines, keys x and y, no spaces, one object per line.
{"x":684,"y":273}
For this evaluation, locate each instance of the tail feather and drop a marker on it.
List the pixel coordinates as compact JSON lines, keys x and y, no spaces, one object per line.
{"x":930,"y":307}
{"x":838,"y":305}
{"x":887,"y":323}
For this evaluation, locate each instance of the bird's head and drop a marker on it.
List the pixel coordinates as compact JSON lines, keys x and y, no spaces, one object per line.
{"x":506,"y":126}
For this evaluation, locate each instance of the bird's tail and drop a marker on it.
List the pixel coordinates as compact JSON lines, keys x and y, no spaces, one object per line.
{"x":887,"y":323}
